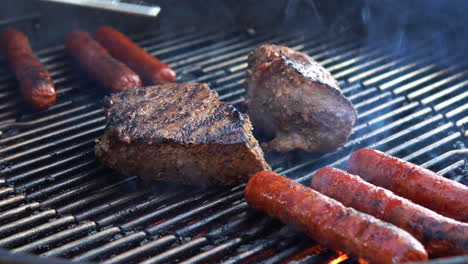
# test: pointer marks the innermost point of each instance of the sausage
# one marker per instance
(35, 81)
(441, 236)
(413, 182)
(148, 67)
(111, 73)
(330, 222)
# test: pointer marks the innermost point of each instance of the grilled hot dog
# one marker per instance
(413, 182)
(331, 223)
(440, 235)
(95, 60)
(148, 67)
(35, 81)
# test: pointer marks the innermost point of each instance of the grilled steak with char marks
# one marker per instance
(180, 133)
(295, 100)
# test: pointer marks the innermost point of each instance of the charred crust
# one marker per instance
(186, 163)
(142, 115)
(277, 78)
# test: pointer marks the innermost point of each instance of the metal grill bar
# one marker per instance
(158, 245)
(77, 246)
(119, 244)
(19, 225)
(56, 200)
(55, 239)
(169, 255)
(21, 237)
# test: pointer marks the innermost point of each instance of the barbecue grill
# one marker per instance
(58, 201)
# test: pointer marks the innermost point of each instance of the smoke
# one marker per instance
(439, 25)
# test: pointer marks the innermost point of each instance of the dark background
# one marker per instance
(57, 19)
(398, 23)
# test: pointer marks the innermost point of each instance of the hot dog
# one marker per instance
(35, 81)
(148, 67)
(111, 73)
(413, 182)
(329, 222)
(441, 236)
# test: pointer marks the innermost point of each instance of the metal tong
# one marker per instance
(114, 5)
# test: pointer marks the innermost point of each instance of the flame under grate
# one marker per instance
(57, 200)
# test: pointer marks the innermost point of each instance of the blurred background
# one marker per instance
(399, 22)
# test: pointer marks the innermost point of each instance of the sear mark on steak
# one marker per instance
(295, 100)
(180, 133)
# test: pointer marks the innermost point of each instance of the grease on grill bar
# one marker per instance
(56, 200)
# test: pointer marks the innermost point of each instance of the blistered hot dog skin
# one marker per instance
(330, 222)
(440, 235)
(96, 61)
(34, 80)
(147, 66)
(420, 185)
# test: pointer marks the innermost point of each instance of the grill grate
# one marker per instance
(57, 200)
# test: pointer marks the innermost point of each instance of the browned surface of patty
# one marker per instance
(291, 97)
(180, 133)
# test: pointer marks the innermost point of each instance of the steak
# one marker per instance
(294, 100)
(180, 133)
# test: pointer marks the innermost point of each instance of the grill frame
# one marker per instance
(224, 70)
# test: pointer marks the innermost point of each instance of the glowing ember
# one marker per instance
(314, 250)
(339, 259)
(361, 261)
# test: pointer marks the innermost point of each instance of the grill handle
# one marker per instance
(114, 5)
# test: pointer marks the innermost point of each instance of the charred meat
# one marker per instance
(180, 133)
(295, 100)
